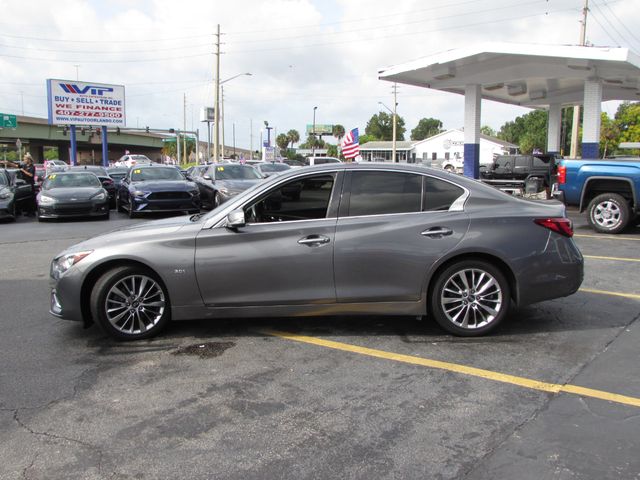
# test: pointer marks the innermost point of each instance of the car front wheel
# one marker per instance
(130, 303)
(470, 298)
(608, 213)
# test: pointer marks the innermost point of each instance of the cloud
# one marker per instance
(301, 54)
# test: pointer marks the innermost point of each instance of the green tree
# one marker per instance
(294, 137)
(338, 132)
(366, 138)
(380, 126)
(528, 131)
(51, 153)
(609, 134)
(332, 150)
(628, 120)
(319, 143)
(488, 131)
(282, 141)
(427, 127)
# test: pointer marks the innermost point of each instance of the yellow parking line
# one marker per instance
(614, 294)
(606, 237)
(618, 259)
(463, 369)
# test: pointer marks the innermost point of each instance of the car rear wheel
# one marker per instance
(608, 213)
(119, 207)
(130, 303)
(217, 200)
(470, 298)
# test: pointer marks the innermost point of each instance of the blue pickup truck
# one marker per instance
(606, 189)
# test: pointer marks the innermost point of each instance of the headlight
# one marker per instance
(99, 196)
(139, 193)
(63, 263)
(4, 196)
(46, 200)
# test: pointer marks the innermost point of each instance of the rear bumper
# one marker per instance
(557, 194)
(556, 272)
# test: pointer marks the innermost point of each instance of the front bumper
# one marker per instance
(151, 204)
(64, 297)
(74, 210)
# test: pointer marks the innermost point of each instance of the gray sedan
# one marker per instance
(354, 240)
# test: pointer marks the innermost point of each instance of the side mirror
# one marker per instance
(207, 177)
(236, 219)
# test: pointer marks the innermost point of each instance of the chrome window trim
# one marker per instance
(221, 223)
(457, 205)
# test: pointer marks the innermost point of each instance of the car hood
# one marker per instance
(134, 233)
(237, 185)
(77, 193)
(164, 186)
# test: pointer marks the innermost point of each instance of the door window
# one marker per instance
(306, 198)
(378, 193)
(522, 162)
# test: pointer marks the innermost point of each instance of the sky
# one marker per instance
(301, 54)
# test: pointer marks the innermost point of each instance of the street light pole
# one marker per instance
(395, 116)
(313, 134)
(216, 121)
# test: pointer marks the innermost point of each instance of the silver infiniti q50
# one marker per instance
(342, 239)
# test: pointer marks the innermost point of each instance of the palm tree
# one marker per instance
(293, 136)
(338, 132)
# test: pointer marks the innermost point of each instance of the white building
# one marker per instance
(434, 150)
(449, 145)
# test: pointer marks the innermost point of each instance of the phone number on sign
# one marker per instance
(75, 113)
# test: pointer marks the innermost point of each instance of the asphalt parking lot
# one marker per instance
(555, 393)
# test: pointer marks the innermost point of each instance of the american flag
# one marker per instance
(351, 144)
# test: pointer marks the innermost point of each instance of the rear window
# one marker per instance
(379, 193)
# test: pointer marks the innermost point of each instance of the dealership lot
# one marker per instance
(555, 392)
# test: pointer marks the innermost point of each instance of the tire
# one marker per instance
(131, 212)
(14, 212)
(217, 200)
(119, 205)
(449, 168)
(130, 317)
(106, 216)
(608, 213)
(456, 305)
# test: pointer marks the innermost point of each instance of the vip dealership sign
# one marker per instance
(81, 103)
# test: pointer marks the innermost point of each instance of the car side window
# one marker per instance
(305, 198)
(439, 195)
(379, 193)
(522, 162)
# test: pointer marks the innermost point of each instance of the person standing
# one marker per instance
(28, 173)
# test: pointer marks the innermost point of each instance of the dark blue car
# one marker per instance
(152, 188)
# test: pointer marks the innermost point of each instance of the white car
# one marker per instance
(131, 160)
(453, 165)
(321, 160)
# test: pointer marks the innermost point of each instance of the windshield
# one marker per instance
(234, 172)
(274, 167)
(71, 180)
(140, 158)
(145, 174)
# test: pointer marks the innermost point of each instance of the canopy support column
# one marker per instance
(553, 132)
(472, 110)
(591, 118)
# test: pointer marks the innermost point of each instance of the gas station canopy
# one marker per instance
(525, 74)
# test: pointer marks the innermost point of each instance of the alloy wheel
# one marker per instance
(135, 304)
(471, 298)
(607, 214)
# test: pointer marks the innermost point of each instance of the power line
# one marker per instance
(109, 52)
(138, 60)
(619, 21)
(595, 17)
(404, 34)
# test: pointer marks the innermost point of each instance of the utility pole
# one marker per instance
(216, 136)
(184, 128)
(576, 109)
(394, 158)
(313, 134)
(222, 115)
(251, 138)
(234, 140)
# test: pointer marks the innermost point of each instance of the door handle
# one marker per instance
(314, 240)
(437, 232)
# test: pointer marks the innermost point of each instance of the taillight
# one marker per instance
(560, 225)
(562, 174)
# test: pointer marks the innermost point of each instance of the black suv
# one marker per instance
(519, 170)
